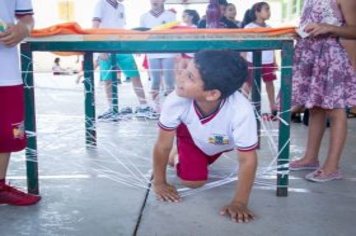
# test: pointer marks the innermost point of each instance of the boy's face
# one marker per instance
(189, 83)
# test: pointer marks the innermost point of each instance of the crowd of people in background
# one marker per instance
(160, 66)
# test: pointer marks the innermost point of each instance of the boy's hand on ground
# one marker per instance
(238, 212)
(166, 192)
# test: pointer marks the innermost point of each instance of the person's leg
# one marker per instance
(247, 86)
(12, 139)
(168, 74)
(155, 74)
(108, 92)
(105, 76)
(316, 130)
(192, 166)
(269, 75)
(4, 162)
(246, 89)
(128, 66)
(139, 91)
(271, 95)
(338, 133)
(12, 131)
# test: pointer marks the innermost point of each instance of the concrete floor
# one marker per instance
(106, 191)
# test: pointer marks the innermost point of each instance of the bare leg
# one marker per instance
(108, 91)
(338, 135)
(4, 162)
(245, 89)
(193, 184)
(316, 130)
(173, 156)
(139, 91)
(271, 94)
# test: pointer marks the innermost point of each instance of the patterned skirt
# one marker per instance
(323, 75)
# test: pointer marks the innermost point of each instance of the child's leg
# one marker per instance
(338, 134)
(246, 89)
(128, 66)
(139, 91)
(192, 168)
(155, 74)
(269, 75)
(108, 91)
(168, 74)
(105, 76)
(173, 156)
(4, 163)
(316, 130)
(271, 95)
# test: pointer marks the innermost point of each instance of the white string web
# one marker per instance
(124, 151)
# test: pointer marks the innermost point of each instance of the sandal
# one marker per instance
(320, 176)
(296, 165)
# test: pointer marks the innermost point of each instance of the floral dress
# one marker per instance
(322, 73)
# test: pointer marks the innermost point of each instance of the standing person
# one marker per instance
(208, 116)
(254, 18)
(17, 14)
(230, 14)
(160, 65)
(224, 22)
(324, 80)
(111, 14)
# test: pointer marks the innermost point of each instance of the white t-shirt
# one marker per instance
(9, 59)
(267, 56)
(110, 13)
(148, 20)
(232, 126)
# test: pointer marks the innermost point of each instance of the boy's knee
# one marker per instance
(193, 184)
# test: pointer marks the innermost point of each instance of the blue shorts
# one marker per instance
(125, 62)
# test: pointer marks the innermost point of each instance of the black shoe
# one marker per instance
(296, 118)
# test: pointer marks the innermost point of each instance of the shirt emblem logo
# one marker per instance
(218, 139)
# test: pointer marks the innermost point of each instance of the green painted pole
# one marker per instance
(30, 119)
(114, 85)
(284, 125)
(90, 129)
(256, 89)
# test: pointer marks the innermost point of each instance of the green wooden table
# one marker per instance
(155, 43)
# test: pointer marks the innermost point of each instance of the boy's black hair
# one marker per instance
(194, 14)
(56, 60)
(250, 14)
(224, 70)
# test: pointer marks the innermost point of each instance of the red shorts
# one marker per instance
(193, 163)
(268, 72)
(12, 130)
